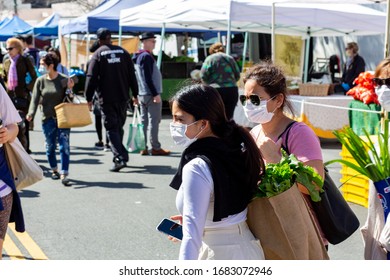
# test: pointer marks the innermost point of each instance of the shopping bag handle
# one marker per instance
(136, 116)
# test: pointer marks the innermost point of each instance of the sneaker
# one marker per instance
(99, 145)
(160, 152)
(118, 165)
(107, 148)
(55, 175)
(144, 152)
(65, 180)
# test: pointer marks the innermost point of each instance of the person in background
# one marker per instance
(111, 75)
(376, 230)
(10, 205)
(16, 67)
(265, 103)
(216, 178)
(354, 65)
(150, 88)
(221, 71)
(50, 90)
(60, 68)
(97, 112)
(31, 50)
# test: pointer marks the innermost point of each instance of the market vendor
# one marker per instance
(354, 65)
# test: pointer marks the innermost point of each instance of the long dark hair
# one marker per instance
(204, 102)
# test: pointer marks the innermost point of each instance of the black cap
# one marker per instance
(103, 33)
(147, 35)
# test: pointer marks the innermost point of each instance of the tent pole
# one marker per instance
(69, 46)
(387, 30)
(229, 32)
(87, 48)
(306, 64)
(244, 51)
(120, 36)
(204, 48)
(273, 33)
(159, 58)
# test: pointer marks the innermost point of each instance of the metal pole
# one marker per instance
(306, 64)
(386, 51)
(120, 36)
(273, 33)
(244, 51)
(159, 58)
(229, 34)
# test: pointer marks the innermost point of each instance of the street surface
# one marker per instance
(113, 216)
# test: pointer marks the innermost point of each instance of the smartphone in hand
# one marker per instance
(171, 228)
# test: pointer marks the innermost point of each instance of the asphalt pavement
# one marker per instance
(113, 216)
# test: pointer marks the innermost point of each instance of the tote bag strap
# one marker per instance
(287, 131)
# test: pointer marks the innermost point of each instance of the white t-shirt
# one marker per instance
(195, 201)
(9, 115)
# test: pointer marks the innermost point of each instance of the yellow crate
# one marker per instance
(350, 178)
(354, 189)
(354, 198)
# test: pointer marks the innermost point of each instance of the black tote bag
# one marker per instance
(336, 218)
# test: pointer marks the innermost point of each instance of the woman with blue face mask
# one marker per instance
(265, 102)
(216, 178)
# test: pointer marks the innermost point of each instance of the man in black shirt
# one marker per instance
(111, 74)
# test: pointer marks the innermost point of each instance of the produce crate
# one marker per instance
(314, 89)
(355, 186)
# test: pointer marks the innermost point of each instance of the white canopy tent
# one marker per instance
(304, 19)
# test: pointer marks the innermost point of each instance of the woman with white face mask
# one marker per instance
(375, 231)
(265, 102)
(216, 178)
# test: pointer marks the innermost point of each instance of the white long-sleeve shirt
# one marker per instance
(195, 201)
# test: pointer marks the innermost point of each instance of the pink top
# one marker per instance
(305, 145)
(302, 142)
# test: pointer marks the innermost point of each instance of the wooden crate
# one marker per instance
(314, 89)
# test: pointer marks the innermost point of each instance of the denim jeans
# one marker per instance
(52, 135)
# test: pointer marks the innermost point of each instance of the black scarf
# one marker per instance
(233, 187)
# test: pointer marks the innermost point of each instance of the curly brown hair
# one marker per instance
(216, 47)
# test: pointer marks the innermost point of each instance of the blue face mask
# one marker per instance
(178, 133)
(42, 70)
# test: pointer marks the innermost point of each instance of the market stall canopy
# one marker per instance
(4, 21)
(12, 27)
(105, 15)
(256, 16)
(46, 28)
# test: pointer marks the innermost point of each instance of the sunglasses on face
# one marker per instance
(255, 99)
(380, 82)
(9, 49)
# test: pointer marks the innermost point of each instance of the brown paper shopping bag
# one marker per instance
(285, 227)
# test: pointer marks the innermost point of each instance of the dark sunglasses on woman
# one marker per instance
(380, 82)
(255, 99)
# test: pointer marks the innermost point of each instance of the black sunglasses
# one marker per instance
(380, 82)
(255, 99)
(9, 49)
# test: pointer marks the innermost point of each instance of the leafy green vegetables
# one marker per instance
(280, 176)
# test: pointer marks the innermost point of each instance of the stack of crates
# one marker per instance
(354, 185)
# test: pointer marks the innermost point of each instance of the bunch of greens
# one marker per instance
(279, 177)
(372, 160)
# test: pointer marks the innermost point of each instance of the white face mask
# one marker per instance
(258, 114)
(383, 93)
(178, 133)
